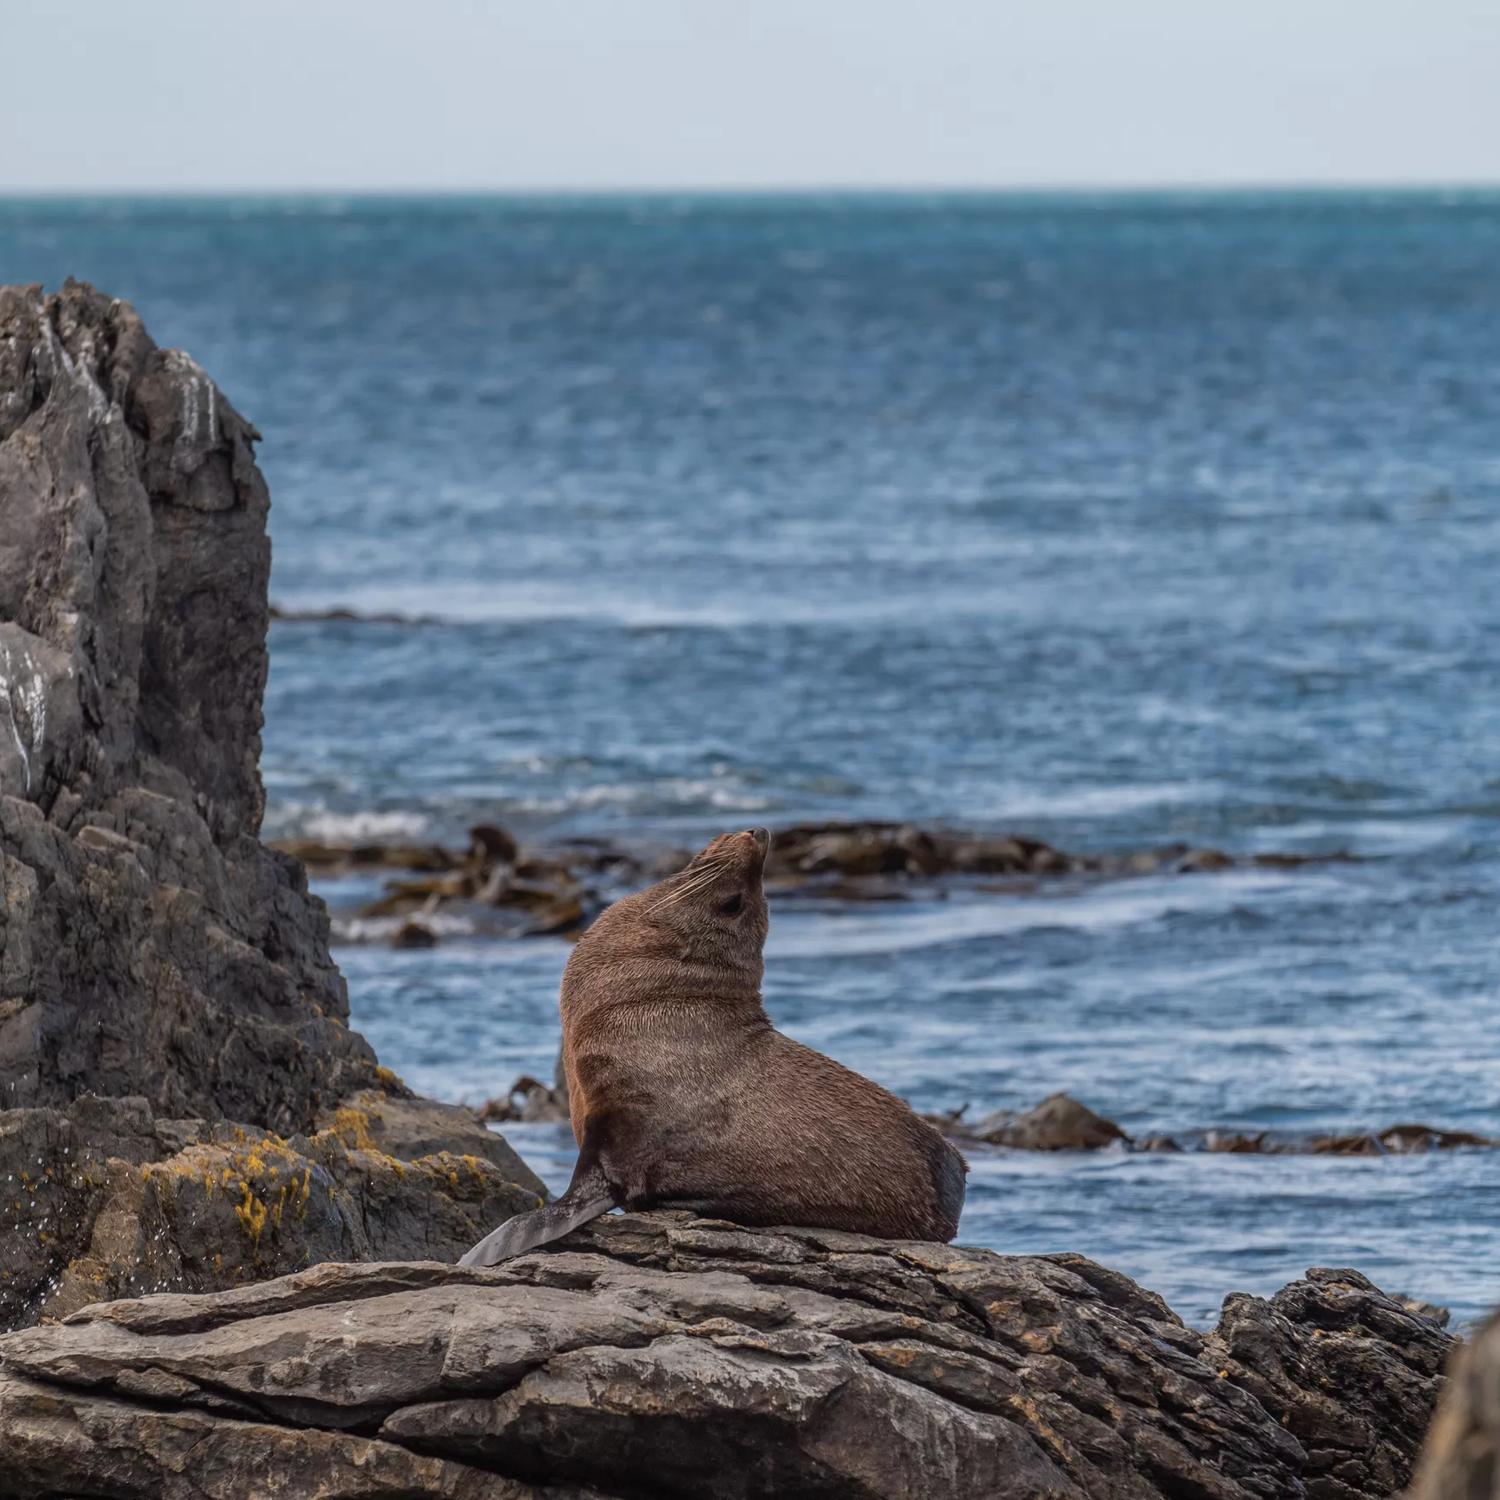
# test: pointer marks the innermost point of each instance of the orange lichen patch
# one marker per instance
(352, 1126)
(251, 1213)
(389, 1080)
(262, 1171)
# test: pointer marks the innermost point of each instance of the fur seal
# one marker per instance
(683, 1095)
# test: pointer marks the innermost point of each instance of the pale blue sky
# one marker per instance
(455, 94)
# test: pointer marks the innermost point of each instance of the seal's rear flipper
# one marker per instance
(587, 1197)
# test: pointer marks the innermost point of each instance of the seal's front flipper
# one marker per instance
(587, 1197)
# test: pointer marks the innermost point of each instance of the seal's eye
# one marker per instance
(733, 906)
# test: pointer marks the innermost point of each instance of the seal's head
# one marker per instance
(695, 934)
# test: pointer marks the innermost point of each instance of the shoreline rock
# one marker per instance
(1061, 1123)
(180, 1079)
(663, 1355)
(106, 1200)
(151, 945)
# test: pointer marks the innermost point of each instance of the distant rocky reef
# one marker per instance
(495, 887)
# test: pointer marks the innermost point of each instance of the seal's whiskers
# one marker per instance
(700, 878)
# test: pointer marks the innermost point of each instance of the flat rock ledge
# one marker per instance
(658, 1355)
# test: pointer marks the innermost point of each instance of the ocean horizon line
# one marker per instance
(755, 193)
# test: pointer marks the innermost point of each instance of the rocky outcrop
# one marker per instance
(657, 1355)
(530, 1100)
(151, 946)
(187, 1104)
(104, 1200)
(189, 1114)
(1461, 1458)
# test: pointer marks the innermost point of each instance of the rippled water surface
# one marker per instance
(1114, 521)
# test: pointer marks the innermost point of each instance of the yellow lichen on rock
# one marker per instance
(352, 1126)
(251, 1213)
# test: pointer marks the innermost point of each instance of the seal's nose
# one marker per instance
(762, 837)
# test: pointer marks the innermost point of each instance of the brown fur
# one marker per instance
(682, 1092)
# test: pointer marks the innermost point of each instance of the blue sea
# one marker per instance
(1115, 521)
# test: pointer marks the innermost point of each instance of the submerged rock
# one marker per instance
(504, 890)
(414, 935)
(666, 1356)
(1398, 1140)
(530, 1100)
(343, 859)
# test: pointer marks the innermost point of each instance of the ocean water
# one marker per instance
(1111, 520)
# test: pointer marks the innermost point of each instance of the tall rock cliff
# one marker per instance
(150, 944)
(182, 1102)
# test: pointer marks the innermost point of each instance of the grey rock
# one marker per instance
(1058, 1123)
(662, 1355)
(150, 945)
(182, 1102)
(104, 1201)
(142, 1447)
(1353, 1374)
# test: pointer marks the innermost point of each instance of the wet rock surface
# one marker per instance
(1058, 1123)
(659, 1355)
(182, 1101)
(529, 1100)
